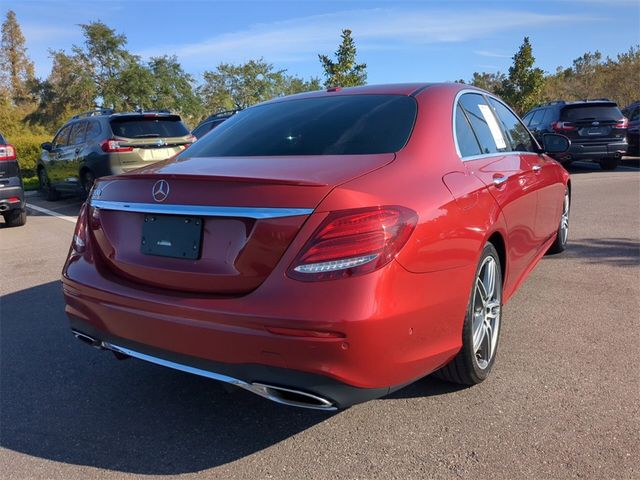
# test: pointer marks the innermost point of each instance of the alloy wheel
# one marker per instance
(564, 220)
(487, 303)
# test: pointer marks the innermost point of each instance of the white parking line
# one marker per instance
(46, 211)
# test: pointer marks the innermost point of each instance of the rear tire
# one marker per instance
(609, 163)
(15, 218)
(87, 180)
(560, 243)
(50, 193)
(481, 328)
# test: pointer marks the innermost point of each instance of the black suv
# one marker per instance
(102, 142)
(12, 205)
(211, 122)
(632, 112)
(597, 129)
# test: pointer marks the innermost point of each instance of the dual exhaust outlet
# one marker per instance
(4, 208)
(278, 394)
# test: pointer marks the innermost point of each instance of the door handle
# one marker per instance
(499, 180)
(537, 168)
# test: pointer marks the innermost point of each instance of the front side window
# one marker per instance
(536, 119)
(77, 133)
(517, 134)
(62, 138)
(484, 123)
(327, 125)
(202, 129)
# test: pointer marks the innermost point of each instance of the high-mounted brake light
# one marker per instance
(7, 152)
(563, 126)
(353, 242)
(113, 146)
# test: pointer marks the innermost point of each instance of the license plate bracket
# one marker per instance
(171, 236)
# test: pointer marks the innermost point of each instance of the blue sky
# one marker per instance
(400, 41)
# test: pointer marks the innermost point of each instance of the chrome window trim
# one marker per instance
(485, 155)
(200, 210)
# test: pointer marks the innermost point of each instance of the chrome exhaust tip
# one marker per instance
(83, 337)
(282, 395)
(4, 208)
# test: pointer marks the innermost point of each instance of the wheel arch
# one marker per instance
(497, 240)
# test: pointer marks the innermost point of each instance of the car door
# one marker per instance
(76, 144)
(57, 154)
(544, 181)
(508, 177)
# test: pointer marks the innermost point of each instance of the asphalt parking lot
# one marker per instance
(562, 401)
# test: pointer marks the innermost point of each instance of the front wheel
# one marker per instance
(44, 185)
(481, 328)
(562, 235)
(87, 180)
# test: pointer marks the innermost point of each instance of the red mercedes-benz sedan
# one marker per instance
(323, 249)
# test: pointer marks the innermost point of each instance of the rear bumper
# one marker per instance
(586, 151)
(11, 198)
(380, 345)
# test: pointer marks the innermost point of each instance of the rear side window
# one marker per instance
(606, 112)
(93, 130)
(517, 134)
(148, 127)
(484, 123)
(467, 142)
(77, 133)
(339, 125)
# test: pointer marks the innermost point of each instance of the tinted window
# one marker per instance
(202, 129)
(591, 112)
(62, 137)
(77, 133)
(467, 142)
(343, 124)
(536, 119)
(635, 115)
(2, 140)
(148, 127)
(527, 118)
(517, 134)
(93, 130)
(548, 117)
(484, 123)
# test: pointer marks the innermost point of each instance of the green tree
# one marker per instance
(173, 88)
(522, 88)
(16, 69)
(69, 89)
(344, 71)
(491, 82)
(235, 87)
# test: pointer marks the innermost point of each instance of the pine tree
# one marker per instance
(344, 72)
(522, 89)
(15, 66)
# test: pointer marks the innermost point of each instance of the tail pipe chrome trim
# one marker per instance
(285, 396)
(4, 207)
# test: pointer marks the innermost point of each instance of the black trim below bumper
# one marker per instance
(340, 394)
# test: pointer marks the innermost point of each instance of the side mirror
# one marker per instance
(554, 143)
(47, 146)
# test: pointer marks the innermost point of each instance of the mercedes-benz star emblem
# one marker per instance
(160, 190)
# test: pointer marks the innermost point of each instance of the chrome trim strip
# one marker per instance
(485, 155)
(200, 210)
(261, 389)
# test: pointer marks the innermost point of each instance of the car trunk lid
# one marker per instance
(238, 215)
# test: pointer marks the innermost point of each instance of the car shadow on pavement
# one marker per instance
(65, 401)
(619, 252)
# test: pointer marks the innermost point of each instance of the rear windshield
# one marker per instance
(591, 112)
(148, 127)
(340, 125)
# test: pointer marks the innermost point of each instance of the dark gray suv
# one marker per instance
(12, 205)
(101, 142)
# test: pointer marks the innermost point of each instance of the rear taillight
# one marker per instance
(79, 241)
(353, 242)
(563, 126)
(113, 146)
(622, 123)
(190, 139)
(7, 152)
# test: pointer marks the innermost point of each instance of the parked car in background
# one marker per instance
(324, 249)
(597, 129)
(211, 122)
(102, 142)
(12, 204)
(632, 112)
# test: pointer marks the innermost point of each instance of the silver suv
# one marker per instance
(101, 142)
